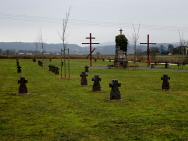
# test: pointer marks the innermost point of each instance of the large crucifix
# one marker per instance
(148, 49)
(91, 50)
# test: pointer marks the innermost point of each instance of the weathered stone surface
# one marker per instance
(121, 51)
(96, 83)
(83, 76)
(22, 87)
(115, 93)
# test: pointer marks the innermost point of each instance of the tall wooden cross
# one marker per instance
(91, 50)
(148, 49)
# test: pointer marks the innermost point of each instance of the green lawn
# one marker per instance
(62, 110)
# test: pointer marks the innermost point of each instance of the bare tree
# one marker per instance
(36, 48)
(62, 36)
(41, 42)
(182, 44)
(135, 40)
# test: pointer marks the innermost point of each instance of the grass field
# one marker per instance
(62, 110)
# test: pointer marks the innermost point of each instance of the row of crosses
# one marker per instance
(148, 43)
(91, 49)
(114, 85)
(22, 81)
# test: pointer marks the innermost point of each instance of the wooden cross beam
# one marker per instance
(91, 50)
(148, 49)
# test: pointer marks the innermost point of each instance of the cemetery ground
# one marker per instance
(62, 110)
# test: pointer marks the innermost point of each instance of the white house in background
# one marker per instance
(29, 54)
(21, 53)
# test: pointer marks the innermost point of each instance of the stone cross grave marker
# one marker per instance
(86, 68)
(83, 76)
(17, 62)
(22, 87)
(96, 83)
(40, 63)
(34, 60)
(19, 69)
(115, 93)
(54, 69)
(165, 84)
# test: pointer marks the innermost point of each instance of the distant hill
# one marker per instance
(54, 48)
(106, 49)
(22, 46)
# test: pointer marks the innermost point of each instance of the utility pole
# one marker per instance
(148, 49)
(91, 50)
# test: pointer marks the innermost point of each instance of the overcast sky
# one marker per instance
(22, 20)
